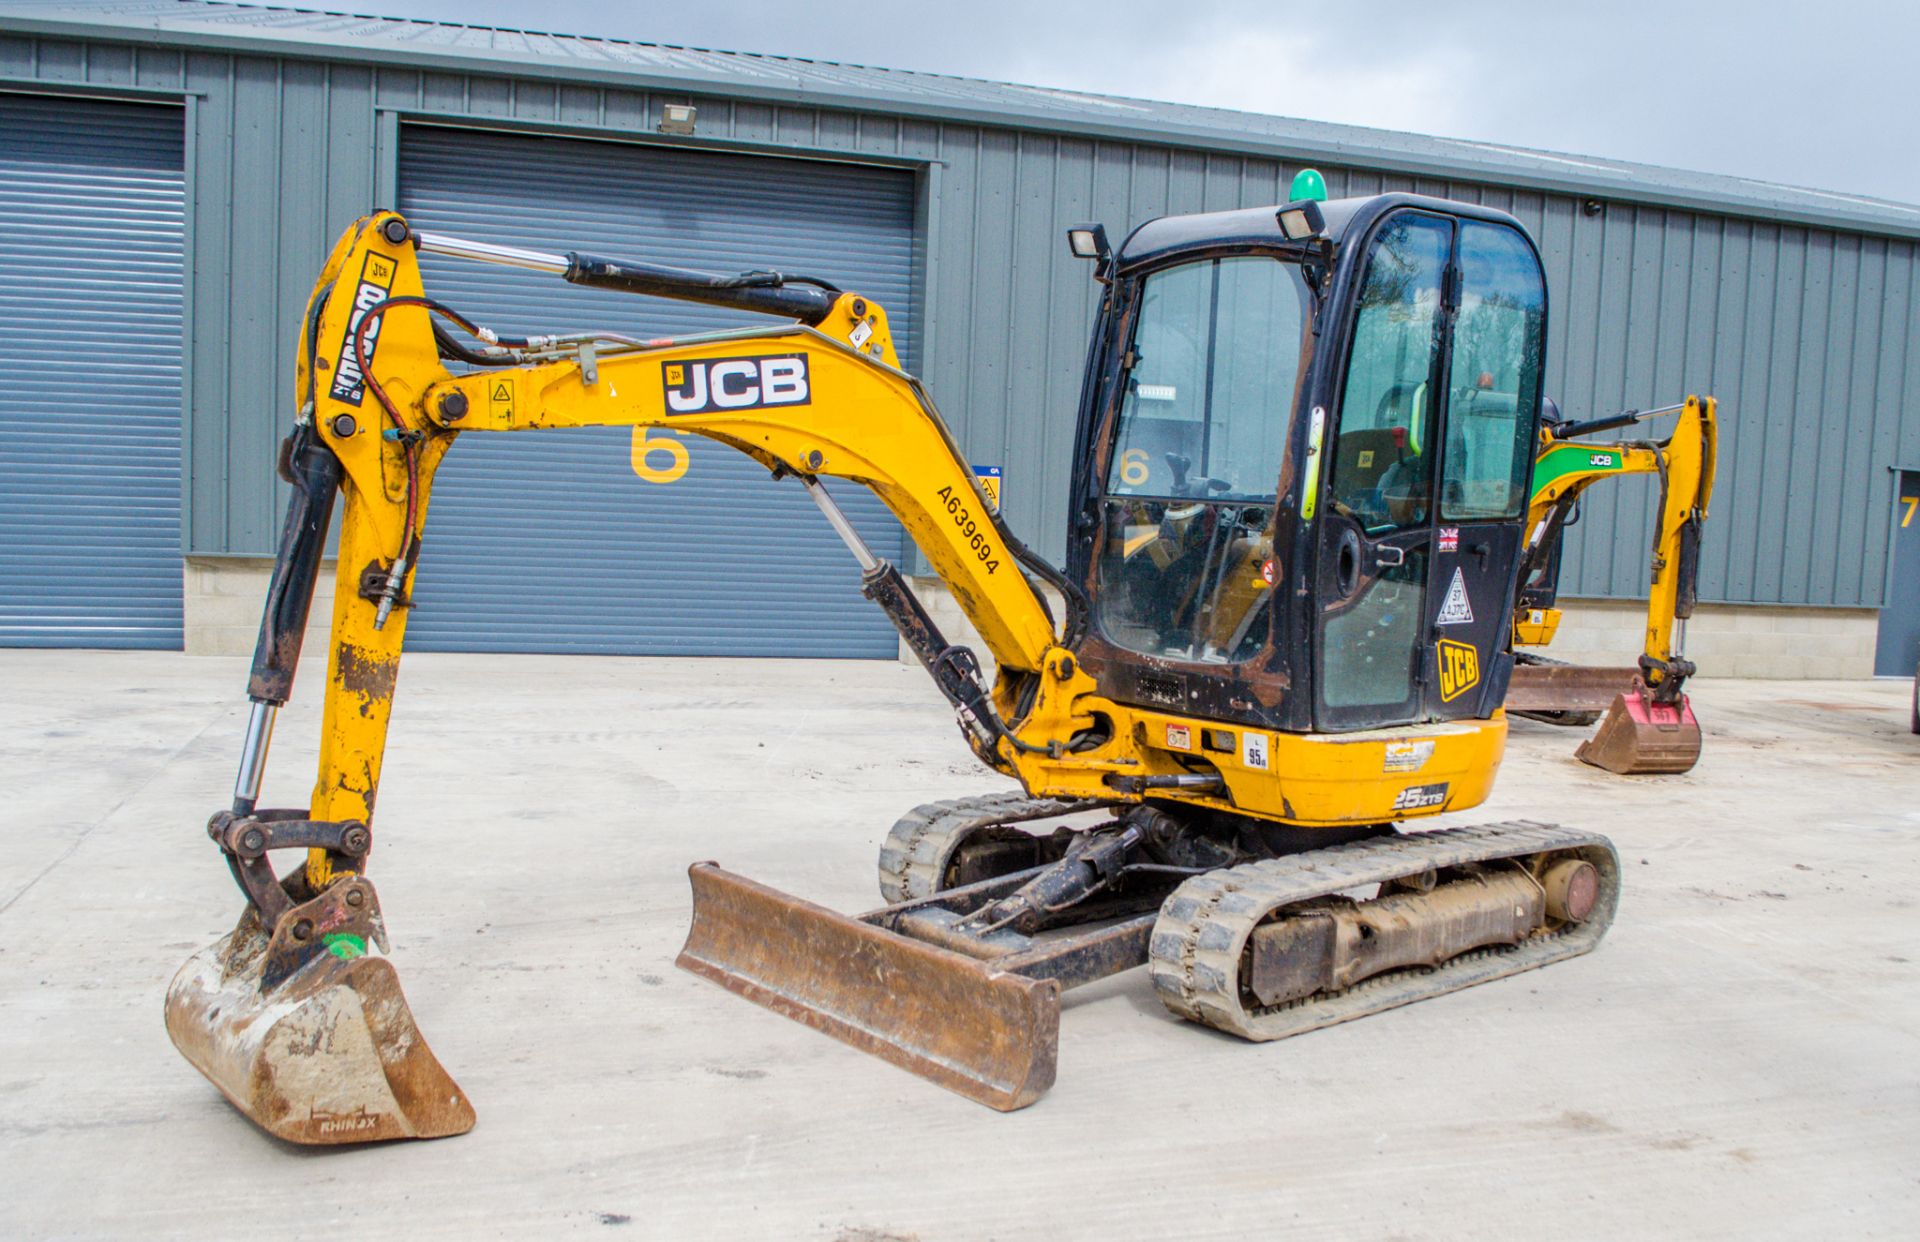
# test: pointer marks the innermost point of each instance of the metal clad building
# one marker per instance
(1797, 308)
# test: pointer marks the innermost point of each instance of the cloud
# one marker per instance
(1279, 72)
(1825, 96)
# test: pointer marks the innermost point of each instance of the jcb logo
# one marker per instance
(1459, 669)
(1602, 460)
(696, 387)
(376, 281)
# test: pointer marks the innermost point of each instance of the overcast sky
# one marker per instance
(1822, 94)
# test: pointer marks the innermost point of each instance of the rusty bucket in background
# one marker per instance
(1642, 736)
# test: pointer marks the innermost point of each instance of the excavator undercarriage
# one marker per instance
(962, 985)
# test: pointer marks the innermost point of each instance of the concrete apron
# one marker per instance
(1736, 1059)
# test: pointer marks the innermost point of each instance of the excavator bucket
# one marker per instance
(990, 1035)
(309, 1036)
(1642, 737)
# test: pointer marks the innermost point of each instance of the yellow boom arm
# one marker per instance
(822, 401)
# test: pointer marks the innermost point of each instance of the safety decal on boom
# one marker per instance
(703, 385)
(376, 282)
(1456, 609)
(989, 479)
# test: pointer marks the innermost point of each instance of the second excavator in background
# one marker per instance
(1649, 727)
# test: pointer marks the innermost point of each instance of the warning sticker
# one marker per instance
(1179, 737)
(500, 400)
(1456, 608)
(1407, 756)
(989, 477)
(1253, 750)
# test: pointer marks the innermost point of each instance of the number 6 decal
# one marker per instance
(645, 457)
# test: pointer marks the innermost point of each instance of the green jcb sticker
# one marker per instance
(1558, 462)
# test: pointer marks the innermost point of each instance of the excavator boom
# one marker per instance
(822, 397)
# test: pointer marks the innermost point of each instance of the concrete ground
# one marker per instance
(1741, 1057)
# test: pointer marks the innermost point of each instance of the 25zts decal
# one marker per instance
(1420, 797)
(975, 532)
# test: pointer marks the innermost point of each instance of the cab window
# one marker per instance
(1186, 564)
(1499, 344)
(1217, 356)
(1383, 456)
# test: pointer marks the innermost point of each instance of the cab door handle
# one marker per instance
(1389, 556)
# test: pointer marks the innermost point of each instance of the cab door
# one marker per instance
(1490, 416)
(1375, 539)
(1428, 457)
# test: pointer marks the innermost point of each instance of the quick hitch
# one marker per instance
(246, 839)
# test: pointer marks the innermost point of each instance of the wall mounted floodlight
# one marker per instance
(1088, 241)
(1301, 220)
(677, 118)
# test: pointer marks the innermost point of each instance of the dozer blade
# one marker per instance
(1566, 688)
(1640, 737)
(309, 1037)
(989, 1035)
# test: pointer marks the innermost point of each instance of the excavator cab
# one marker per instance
(1303, 486)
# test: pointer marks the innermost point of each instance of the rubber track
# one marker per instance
(1201, 935)
(921, 841)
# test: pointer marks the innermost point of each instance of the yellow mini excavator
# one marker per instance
(1649, 726)
(1299, 515)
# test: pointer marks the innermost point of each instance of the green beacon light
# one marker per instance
(1307, 184)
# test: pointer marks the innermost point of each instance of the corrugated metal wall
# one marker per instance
(1805, 334)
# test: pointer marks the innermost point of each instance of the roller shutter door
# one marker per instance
(548, 540)
(91, 237)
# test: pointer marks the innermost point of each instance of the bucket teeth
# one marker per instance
(990, 1035)
(319, 1047)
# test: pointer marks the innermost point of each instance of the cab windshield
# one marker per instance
(1186, 564)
